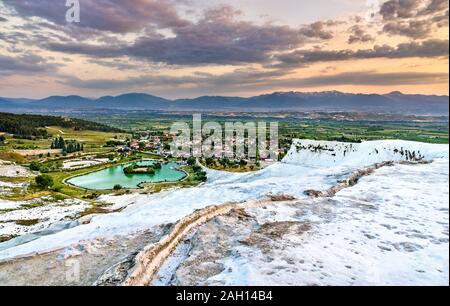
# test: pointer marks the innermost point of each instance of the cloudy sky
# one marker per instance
(188, 48)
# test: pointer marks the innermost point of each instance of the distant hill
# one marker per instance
(330, 101)
(210, 103)
(31, 126)
(5, 103)
(62, 102)
(132, 101)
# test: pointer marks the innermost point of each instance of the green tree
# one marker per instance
(201, 176)
(44, 181)
(60, 143)
(191, 161)
(35, 166)
(129, 169)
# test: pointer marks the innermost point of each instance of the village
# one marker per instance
(225, 158)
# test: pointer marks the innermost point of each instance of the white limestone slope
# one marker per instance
(392, 228)
(330, 153)
(299, 171)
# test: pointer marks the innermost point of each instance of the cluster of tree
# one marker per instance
(344, 138)
(191, 161)
(20, 129)
(135, 168)
(113, 143)
(37, 166)
(151, 170)
(33, 126)
(110, 156)
(44, 181)
(199, 174)
(226, 162)
(130, 169)
(2, 139)
(67, 146)
(49, 167)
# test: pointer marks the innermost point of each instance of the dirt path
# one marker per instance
(58, 130)
(37, 152)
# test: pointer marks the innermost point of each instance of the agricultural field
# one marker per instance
(342, 127)
(93, 141)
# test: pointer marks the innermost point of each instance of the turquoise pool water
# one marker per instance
(108, 178)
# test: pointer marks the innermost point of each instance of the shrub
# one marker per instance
(91, 196)
(129, 169)
(45, 169)
(35, 166)
(242, 163)
(44, 181)
(117, 187)
(201, 176)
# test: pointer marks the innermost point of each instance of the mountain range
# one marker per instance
(332, 101)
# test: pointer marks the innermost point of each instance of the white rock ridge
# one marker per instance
(331, 153)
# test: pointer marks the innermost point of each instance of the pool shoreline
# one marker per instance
(139, 186)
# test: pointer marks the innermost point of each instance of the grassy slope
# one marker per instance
(93, 142)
